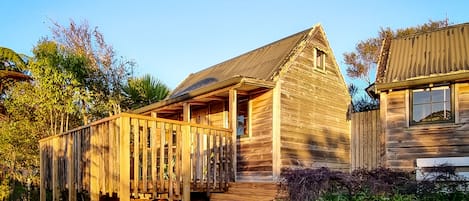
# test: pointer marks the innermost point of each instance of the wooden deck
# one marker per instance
(132, 156)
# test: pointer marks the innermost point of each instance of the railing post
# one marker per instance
(71, 167)
(42, 186)
(233, 119)
(55, 169)
(124, 151)
(94, 166)
(186, 165)
(186, 155)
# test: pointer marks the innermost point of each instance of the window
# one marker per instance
(431, 105)
(319, 59)
(243, 118)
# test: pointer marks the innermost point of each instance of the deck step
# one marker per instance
(248, 191)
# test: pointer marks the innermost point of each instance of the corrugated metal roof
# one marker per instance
(441, 52)
(260, 63)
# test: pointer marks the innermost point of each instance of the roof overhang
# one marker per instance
(13, 75)
(452, 77)
(208, 93)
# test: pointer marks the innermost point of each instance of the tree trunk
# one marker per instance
(66, 122)
(62, 122)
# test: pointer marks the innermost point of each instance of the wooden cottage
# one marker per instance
(283, 105)
(423, 86)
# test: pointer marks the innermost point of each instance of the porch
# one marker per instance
(133, 156)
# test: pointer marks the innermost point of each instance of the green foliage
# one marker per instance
(365, 57)
(10, 60)
(377, 185)
(103, 75)
(144, 90)
(362, 62)
(361, 102)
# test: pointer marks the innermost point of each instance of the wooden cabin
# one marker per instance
(423, 86)
(283, 105)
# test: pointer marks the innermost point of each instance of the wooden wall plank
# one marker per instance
(162, 155)
(155, 135)
(136, 154)
(111, 157)
(366, 141)
(170, 129)
(94, 164)
(71, 167)
(124, 157)
(144, 146)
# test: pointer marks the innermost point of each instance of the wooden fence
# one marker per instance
(132, 156)
(367, 140)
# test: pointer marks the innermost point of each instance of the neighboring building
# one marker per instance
(291, 106)
(423, 85)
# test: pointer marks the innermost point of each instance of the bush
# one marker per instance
(379, 184)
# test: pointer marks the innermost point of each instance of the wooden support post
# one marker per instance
(94, 166)
(136, 132)
(233, 121)
(55, 169)
(42, 186)
(186, 155)
(124, 151)
(276, 160)
(145, 155)
(72, 193)
(155, 134)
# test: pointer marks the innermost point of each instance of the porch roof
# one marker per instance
(216, 91)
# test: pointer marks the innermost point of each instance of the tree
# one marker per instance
(361, 62)
(144, 90)
(11, 66)
(103, 76)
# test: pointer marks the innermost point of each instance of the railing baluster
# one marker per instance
(155, 134)
(169, 157)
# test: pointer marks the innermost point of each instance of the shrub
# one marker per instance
(378, 184)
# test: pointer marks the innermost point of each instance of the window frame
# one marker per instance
(431, 86)
(322, 66)
(247, 120)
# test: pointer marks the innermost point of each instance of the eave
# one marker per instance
(195, 95)
(452, 77)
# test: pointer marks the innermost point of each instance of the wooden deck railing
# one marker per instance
(136, 156)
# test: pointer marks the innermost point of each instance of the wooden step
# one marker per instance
(235, 197)
(255, 191)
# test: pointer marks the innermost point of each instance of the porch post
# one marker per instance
(71, 166)
(55, 168)
(233, 121)
(124, 158)
(186, 154)
(94, 164)
(276, 157)
(42, 186)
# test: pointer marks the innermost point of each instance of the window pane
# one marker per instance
(421, 96)
(438, 112)
(448, 111)
(420, 112)
(240, 126)
(438, 95)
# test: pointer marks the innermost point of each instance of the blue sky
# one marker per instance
(174, 38)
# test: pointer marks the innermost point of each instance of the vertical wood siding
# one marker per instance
(367, 142)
